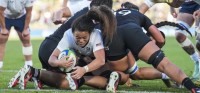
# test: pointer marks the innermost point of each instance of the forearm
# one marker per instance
(94, 65)
(28, 18)
(143, 8)
(53, 61)
(64, 3)
(156, 34)
(2, 18)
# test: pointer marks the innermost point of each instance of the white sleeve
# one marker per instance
(63, 44)
(97, 42)
(3, 3)
(29, 3)
(149, 3)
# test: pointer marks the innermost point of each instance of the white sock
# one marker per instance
(195, 57)
(164, 76)
(28, 63)
(1, 64)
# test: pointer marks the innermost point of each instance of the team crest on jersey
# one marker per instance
(99, 44)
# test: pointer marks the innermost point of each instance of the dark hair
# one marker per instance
(101, 14)
(108, 3)
(129, 5)
(83, 23)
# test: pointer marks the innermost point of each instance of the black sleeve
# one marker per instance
(146, 22)
(67, 25)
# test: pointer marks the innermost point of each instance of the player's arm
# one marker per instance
(98, 61)
(53, 59)
(64, 3)
(55, 62)
(145, 6)
(65, 9)
(157, 36)
(196, 15)
(2, 18)
(28, 17)
(173, 12)
(153, 31)
(3, 5)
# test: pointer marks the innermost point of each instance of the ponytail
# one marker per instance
(101, 14)
(106, 18)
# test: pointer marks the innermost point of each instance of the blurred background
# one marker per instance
(41, 24)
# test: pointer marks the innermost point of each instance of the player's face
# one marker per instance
(81, 38)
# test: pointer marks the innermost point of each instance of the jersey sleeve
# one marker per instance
(97, 41)
(29, 3)
(3, 3)
(64, 43)
(146, 23)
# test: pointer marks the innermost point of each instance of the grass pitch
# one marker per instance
(14, 60)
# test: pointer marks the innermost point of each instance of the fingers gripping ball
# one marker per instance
(72, 57)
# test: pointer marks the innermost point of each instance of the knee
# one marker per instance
(180, 37)
(156, 58)
(25, 41)
(137, 76)
(63, 85)
(124, 78)
(3, 39)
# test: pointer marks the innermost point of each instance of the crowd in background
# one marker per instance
(42, 24)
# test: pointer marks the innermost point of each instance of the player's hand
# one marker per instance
(4, 32)
(196, 14)
(78, 72)
(57, 17)
(65, 63)
(25, 33)
(173, 12)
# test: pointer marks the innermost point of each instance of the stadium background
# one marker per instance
(41, 24)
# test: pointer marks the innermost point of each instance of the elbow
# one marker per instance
(51, 63)
(102, 62)
(160, 43)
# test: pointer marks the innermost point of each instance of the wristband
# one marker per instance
(86, 68)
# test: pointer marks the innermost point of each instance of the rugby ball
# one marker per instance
(72, 56)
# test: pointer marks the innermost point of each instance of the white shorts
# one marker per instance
(77, 5)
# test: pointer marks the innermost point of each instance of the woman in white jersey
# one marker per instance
(17, 14)
(86, 41)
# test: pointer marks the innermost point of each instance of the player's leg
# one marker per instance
(26, 43)
(185, 19)
(145, 73)
(151, 54)
(45, 50)
(149, 3)
(92, 81)
(3, 40)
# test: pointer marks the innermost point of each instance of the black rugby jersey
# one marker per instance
(58, 34)
(131, 15)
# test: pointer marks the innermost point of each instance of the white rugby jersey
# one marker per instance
(68, 42)
(77, 5)
(15, 8)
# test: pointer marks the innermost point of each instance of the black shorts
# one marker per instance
(189, 7)
(45, 51)
(130, 38)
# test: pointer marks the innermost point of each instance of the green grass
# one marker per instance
(14, 60)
